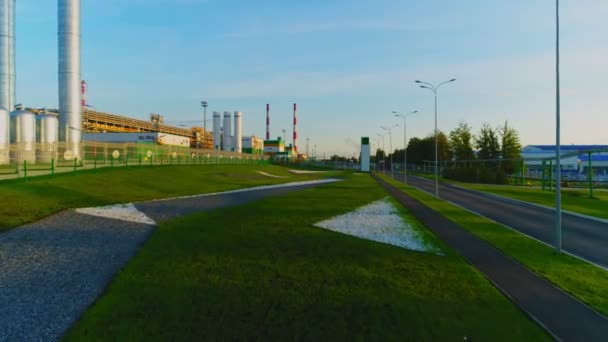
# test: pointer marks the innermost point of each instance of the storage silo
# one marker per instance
(217, 130)
(23, 134)
(48, 134)
(4, 136)
(238, 132)
(227, 133)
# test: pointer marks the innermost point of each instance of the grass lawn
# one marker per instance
(572, 200)
(584, 281)
(262, 271)
(22, 202)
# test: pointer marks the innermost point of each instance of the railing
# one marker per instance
(27, 160)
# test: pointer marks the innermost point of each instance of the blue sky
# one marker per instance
(348, 64)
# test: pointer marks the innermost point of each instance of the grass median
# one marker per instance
(262, 271)
(581, 279)
(22, 202)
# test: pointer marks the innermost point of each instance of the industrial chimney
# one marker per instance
(267, 121)
(295, 129)
(70, 106)
(7, 19)
(83, 92)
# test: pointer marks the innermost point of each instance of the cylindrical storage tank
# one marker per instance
(227, 133)
(4, 136)
(48, 134)
(23, 135)
(70, 97)
(217, 130)
(238, 132)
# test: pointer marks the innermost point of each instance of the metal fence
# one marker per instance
(23, 161)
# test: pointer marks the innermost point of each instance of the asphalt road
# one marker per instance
(583, 237)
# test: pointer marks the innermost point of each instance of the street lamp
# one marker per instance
(390, 138)
(404, 116)
(383, 154)
(283, 135)
(204, 105)
(558, 185)
(434, 89)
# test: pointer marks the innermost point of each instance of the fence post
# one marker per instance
(52, 167)
(25, 170)
(542, 176)
(75, 165)
(590, 176)
(550, 175)
(523, 174)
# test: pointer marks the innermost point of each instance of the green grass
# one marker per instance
(573, 200)
(22, 202)
(583, 280)
(262, 271)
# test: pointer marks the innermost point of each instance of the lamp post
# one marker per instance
(558, 188)
(404, 116)
(204, 105)
(434, 89)
(390, 138)
(383, 154)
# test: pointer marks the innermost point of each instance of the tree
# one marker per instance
(443, 146)
(487, 144)
(461, 143)
(510, 148)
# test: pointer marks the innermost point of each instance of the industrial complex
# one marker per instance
(43, 135)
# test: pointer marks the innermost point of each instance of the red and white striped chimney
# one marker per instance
(267, 121)
(83, 89)
(295, 129)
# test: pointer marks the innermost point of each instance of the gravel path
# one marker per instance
(51, 271)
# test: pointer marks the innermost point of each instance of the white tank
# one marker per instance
(23, 134)
(4, 136)
(227, 133)
(238, 132)
(217, 130)
(48, 134)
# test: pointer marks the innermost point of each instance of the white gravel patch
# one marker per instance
(269, 175)
(379, 221)
(124, 212)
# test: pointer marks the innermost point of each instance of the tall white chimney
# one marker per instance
(70, 106)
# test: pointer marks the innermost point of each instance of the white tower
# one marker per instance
(227, 133)
(238, 132)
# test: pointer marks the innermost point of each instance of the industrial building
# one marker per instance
(253, 145)
(575, 160)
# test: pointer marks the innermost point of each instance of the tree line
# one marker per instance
(488, 156)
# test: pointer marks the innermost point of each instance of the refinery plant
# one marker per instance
(47, 135)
